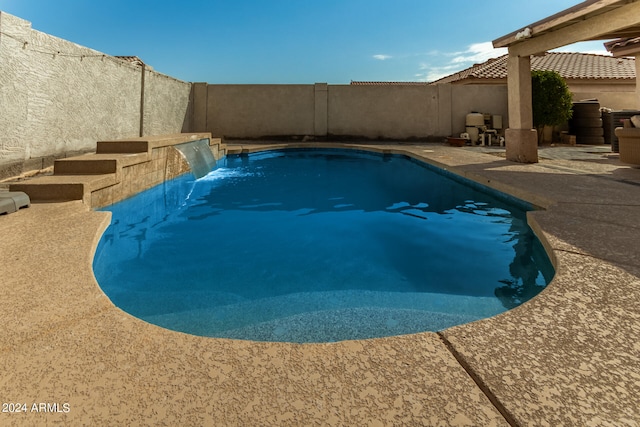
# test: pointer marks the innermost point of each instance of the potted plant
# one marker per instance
(551, 100)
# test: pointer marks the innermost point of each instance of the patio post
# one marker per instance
(521, 139)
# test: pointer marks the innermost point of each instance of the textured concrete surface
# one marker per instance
(568, 357)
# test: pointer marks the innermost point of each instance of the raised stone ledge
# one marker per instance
(147, 143)
(117, 170)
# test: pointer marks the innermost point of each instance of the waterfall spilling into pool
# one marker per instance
(317, 246)
(199, 156)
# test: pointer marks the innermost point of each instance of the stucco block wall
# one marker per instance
(490, 99)
(387, 112)
(259, 110)
(166, 107)
(58, 98)
(400, 112)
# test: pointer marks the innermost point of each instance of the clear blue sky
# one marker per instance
(292, 41)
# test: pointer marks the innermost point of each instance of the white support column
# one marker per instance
(521, 138)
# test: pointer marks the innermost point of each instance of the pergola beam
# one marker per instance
(600, 27)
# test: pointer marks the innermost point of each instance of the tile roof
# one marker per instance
(354, 83)
(623, 47)
(569, 65)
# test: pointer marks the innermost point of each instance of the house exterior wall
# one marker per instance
(58, 98)
(614, 95)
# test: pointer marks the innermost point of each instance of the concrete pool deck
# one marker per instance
(570, 356)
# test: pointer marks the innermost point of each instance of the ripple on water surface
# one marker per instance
(316, 246)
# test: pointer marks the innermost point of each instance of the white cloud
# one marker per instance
(382, 57)
(430, 73)
(445, 64)
(477, 53)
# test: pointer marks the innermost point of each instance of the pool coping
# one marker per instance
(574, 363)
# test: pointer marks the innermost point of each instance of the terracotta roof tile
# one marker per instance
(355, 83)
(568, 65)
(623, 47)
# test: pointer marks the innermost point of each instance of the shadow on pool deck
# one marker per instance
(570, 356)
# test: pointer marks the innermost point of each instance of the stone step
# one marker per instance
(145, 144)
(75, 178)
(96, 164)
(58, 188)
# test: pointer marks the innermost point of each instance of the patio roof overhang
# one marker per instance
(586, 21)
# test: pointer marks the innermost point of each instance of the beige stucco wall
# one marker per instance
(388, 111)
(617, 96)
(614, 94)
(166, 104)
(259, 110)
(59, 98)
(488, 99)
(383, 111)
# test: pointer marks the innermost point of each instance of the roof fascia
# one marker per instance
(587, 29)
(573, 13)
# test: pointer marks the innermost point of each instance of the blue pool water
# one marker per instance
(318, 246)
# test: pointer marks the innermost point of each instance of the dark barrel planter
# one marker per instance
(586, 123)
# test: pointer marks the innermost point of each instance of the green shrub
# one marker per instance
(551, 100)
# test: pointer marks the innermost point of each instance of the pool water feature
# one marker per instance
(318, 246)
(198, 155)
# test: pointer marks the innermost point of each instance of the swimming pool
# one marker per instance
(317, 246)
